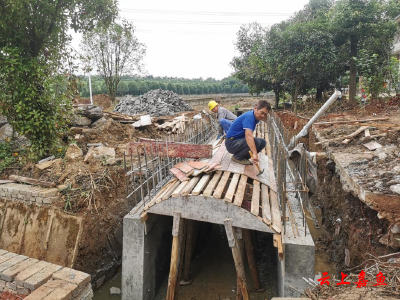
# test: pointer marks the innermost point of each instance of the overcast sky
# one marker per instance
(193, 39)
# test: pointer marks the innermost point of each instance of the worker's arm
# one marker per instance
(252, 145)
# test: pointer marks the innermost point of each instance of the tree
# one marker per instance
(33, 42)
(185, 89)
(143, 88)
(355, 21)
(123, 88)
(115, 51)
(133, 87)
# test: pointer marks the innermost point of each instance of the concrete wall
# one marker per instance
(146, 255)
(39, 232)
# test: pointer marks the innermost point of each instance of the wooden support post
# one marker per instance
(188, 253)
(182, 246)
(239, 240)
(173, 271)
(251, 258)
(237, 257)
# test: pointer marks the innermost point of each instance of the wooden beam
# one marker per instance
(178, 191)
(173, 271)
(237, 257)
(169, 192)
(188, 252)
(201, 184)
(240, 191)
(255, 199)
(251, 259)
(232, 188)
(265, 205)
(191, 185)
(275, 212)
(221, 185)
(32, 181)
(213, 183)
(171, 149)
(278, 244)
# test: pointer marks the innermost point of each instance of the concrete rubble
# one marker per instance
(155, 102)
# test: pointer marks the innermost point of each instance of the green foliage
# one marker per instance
(6, 155)
(34, 84)
(33, 101)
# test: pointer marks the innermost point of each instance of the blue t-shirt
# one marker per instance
(245, 121)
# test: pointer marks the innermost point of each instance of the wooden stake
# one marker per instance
(237, 257)
(251, 258)
(173, 271)
(188, 252)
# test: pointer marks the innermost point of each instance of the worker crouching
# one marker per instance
(224, 116)
(240, 139)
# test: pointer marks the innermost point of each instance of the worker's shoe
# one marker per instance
(242, 161)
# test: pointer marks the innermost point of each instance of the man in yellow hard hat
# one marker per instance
(224, 116)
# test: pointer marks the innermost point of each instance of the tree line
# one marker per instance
(319, 47)
(135, 85)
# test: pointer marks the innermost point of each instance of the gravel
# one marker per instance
(155, 102)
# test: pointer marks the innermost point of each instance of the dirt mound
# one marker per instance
(102, 100)
(155, 102)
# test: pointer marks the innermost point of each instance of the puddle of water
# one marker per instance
(322, 263)
(104, 292)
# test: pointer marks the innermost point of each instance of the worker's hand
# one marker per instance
(255, 159)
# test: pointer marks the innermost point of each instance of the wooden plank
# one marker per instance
(275, 212)
(144, 216)
(179, 174)
(178, 191)
(219, 155)
(255, 199)
(221, 185)
(197, 164)
(235, 167)
(212, 184)
(367, 133)
(265, 205)
(240, 191)
(6, 181)
(201, 184)
(169, 192)
(232, 188)
(160, 194)
(31, 181)
(176, 223)
(226, 162)
(172, 149)
(185, 168)
(350, 137)
(191, 185)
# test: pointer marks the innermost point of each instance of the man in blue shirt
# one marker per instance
(239, 139)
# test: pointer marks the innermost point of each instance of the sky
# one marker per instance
(194, 39)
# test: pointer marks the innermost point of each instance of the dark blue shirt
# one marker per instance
(245, 121)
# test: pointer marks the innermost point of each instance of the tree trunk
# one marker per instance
(353, 71)
(276, 92)
(319, 94)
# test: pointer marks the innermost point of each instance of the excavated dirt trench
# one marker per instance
(353, 230)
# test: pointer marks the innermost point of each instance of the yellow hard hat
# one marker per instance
(212, 104)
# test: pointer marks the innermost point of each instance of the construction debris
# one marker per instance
(32, 181)
(155, 102)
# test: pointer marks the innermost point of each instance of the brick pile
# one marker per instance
(34, 279)
(29, 194)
